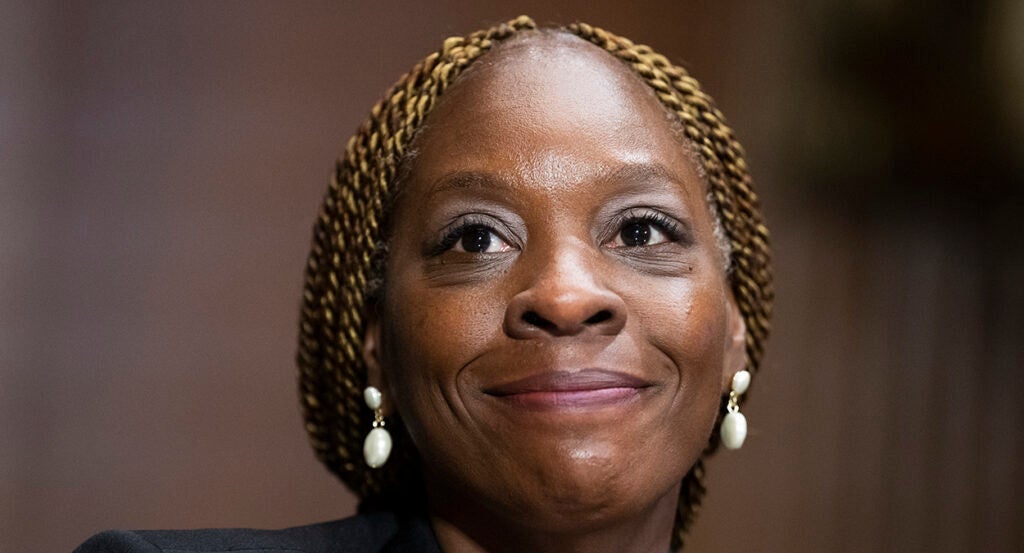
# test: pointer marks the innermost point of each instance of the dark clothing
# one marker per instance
(381, 532)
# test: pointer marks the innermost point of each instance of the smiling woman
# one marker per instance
(543, 260)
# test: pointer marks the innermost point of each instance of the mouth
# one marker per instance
(557, 390)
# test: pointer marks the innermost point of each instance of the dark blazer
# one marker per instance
(380, 532)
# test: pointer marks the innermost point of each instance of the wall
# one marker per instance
(161, 163)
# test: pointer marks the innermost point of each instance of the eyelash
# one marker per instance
(454, 231)
(653, 218)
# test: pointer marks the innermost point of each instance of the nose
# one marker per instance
(566, 297)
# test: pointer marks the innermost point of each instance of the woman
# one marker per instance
(540, 271)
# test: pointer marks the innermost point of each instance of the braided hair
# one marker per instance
(346, 261)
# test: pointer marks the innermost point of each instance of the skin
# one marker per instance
(557, 158)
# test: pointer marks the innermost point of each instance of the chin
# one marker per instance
(582, 482)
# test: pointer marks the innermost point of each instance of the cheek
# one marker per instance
(429, 335)
(686, 318)
(687, 324)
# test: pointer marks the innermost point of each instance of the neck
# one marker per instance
(468, 527)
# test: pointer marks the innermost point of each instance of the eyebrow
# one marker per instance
(645, 172)
(461, 180)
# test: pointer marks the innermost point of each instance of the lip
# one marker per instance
(553, 390)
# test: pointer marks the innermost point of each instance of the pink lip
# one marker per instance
(565, 389)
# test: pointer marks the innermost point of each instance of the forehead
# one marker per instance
(548, 107)
(556, 78)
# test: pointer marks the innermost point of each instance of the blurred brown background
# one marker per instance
(161, 164)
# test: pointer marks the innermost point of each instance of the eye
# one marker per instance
(647, 230)
(475, 238)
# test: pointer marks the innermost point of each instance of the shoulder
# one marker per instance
(374, 532)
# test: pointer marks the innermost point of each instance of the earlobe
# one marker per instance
(735, 358)
(372, 356)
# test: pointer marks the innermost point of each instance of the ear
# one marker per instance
(373, 358)
(735, 358)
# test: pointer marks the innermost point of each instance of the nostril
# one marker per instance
(533, 319)
(599, 317)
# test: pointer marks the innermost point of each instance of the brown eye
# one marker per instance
(479, 239)
(635, 234)
(476, 240)
(638, 233)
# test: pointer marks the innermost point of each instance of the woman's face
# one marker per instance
(557, 329)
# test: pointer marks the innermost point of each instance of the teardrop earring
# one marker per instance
(734, 425)
(377, 445)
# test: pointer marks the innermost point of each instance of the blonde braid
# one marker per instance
(345, 264)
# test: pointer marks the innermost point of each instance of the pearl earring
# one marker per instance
(734, 425)
(377, 446)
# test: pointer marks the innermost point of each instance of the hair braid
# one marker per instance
(346, 261)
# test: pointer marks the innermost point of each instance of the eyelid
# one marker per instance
(674, 230)
(450, 234)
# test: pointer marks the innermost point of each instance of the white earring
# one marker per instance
(377, 446)
(734, 425)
